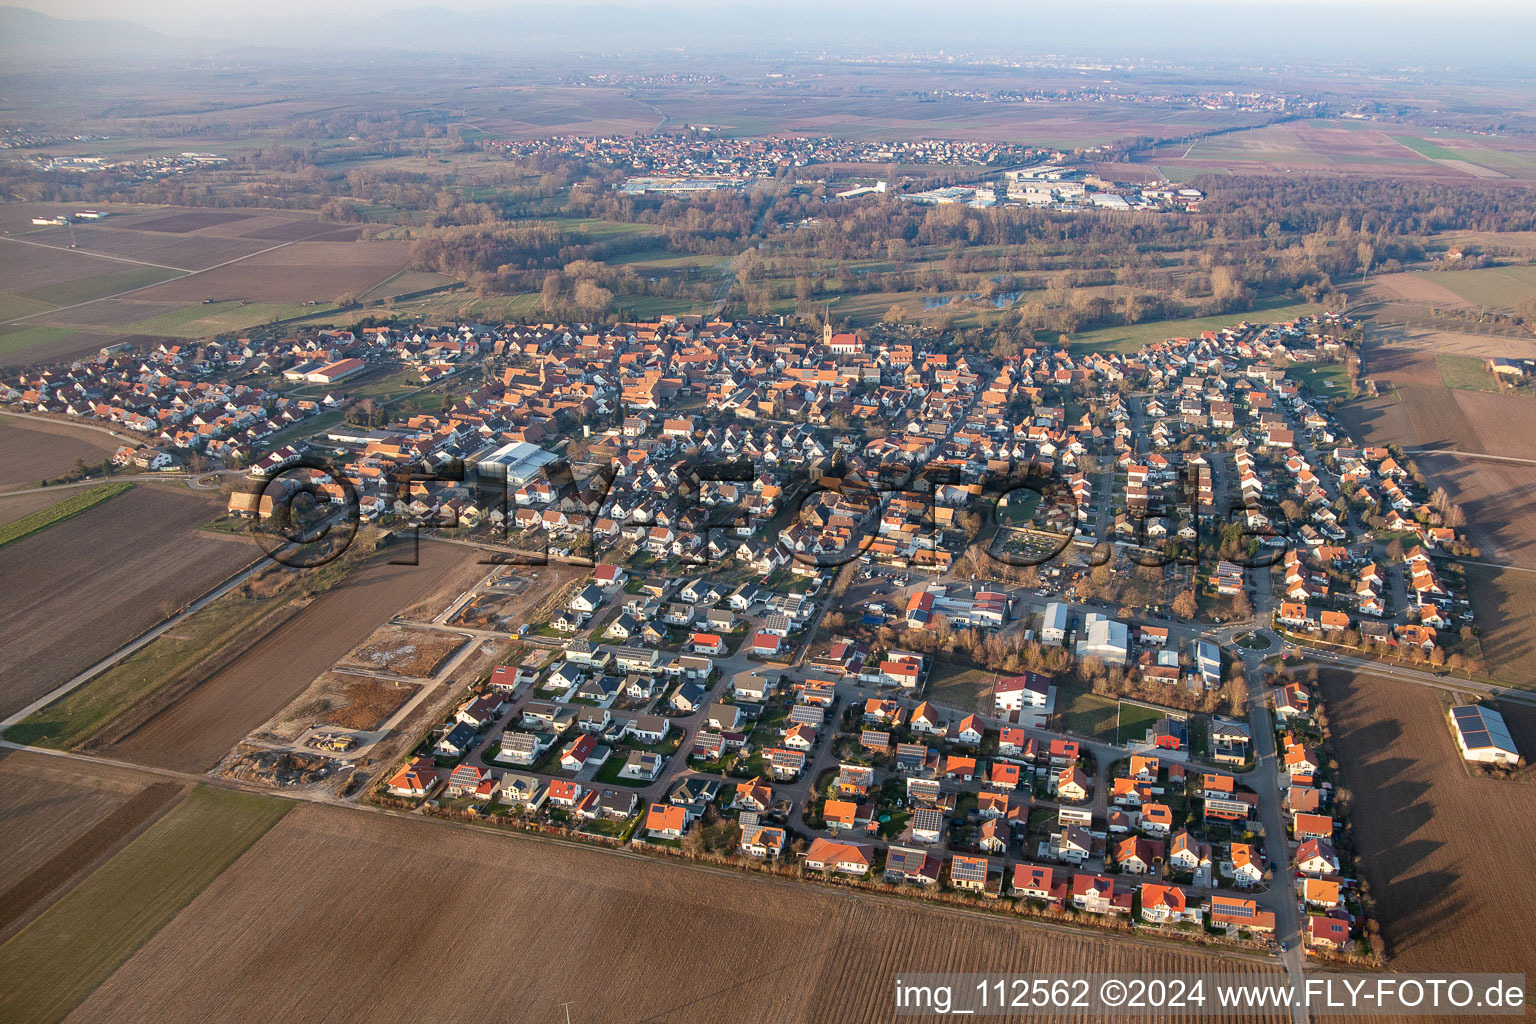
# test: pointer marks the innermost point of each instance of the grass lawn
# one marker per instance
(959, 686)
(1087, 714)
(1134, 723)
(1465, 373)
(609, 772)
(48, 967)
(60, 511)
(1325, 380)
(307, 427)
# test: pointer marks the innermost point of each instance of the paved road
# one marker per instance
(1281, 900)
(133, 645)
(1451, 683)
(82, 425)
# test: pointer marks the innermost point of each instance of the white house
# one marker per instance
(1053, 630)
(1015, 693)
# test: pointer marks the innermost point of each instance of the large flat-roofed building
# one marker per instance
(1106, 639)
(520, 460)
(1482, 735)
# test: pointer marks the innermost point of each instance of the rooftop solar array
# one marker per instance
(1481, 727)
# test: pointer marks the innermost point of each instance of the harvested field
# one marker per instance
(1504, 601)
(57, 959)
(79, 590)
(400, 651)
(318, 918)
(76, 832)
(25, 267)
(300, 230)
(195, 732)
(1402, 364)
(1429, 835)
(1499, 499)
(1425, 416)
(183, 252)
(71, 502)
(1418, 288)
(299, 272)
(1502, 424)
(191, 220)
(248, 222)
(46, 804)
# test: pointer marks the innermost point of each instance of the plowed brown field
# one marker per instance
(32, 450)
(1438, 847)
(331, 914)
(80, 589)
(195, 732)
(1499, 499)
(56, 821)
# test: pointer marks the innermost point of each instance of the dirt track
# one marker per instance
(194, 733)
(78, 590)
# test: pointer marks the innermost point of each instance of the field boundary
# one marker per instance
(59, 511)
(50, 966)
(30, 894)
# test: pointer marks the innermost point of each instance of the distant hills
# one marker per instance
(27, 30)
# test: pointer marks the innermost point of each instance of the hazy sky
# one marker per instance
(158, 11)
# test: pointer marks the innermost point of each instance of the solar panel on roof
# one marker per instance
(1482, 727)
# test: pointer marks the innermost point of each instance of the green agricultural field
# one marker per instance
(1129, 339)
(13, 307)
(1465, 373)
(67, 293)
(210, 318)
(22, 338)
(405, 283)
(1494, 287)
(52, 964)
(57, 513)
(596, 229)
(1424, 147)
(662, 259)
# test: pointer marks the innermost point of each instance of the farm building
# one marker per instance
(1482, 735)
